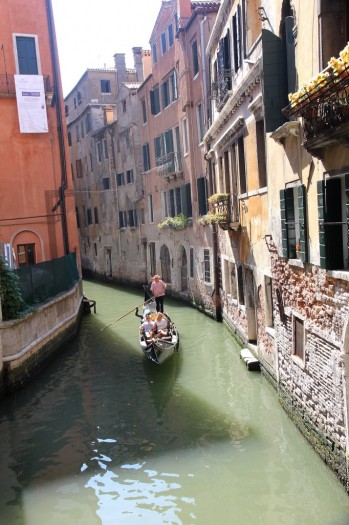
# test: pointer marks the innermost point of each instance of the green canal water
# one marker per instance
(104, 436)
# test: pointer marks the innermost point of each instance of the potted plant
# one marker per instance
(217, 198)
(177, 223)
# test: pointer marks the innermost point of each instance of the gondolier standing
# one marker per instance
(158, 288)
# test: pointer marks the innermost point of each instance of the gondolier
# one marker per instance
(158, 288)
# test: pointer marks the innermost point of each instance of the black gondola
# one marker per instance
(161, 349)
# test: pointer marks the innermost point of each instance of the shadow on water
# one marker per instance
(196, 440)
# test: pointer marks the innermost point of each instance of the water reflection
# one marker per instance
(104, 436)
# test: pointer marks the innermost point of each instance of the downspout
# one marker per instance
(57, 102)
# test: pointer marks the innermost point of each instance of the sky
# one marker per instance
(90, 32)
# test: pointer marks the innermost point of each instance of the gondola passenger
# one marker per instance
(160, 328)
(147, 326)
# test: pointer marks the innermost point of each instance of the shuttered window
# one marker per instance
(294, 223)
(26, 53)
(202, 195)
(333, 211)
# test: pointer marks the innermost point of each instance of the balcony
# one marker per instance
(223, 211)
(170, 165)
(220, 89)
(323, 105)
(7, 84)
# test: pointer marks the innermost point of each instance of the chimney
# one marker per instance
(120, 66)
(184, 11)
(138, 63)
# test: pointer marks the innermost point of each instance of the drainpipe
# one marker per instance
(57, 102)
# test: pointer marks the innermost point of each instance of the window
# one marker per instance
(146, 157)
(155, 101)
(194, 50)
(163, 43)
(293, 222)
(334, 28)
(164, 206)
(91, 163)
(82, 129)
(170, 35)
(69, 138)
(75, 106)
(106, 183)
(95, 248)
(185, 135)
(27, 62)
(122, 219)
(141, 216)
(66, 108)
(77, 133)
(237, 39)
(105, 86)
(99, 151)
(144, 111)
(150, 208)
(200, 122)
(105, 149)
(202, 195)
(241, 164)
(241, 294)
(207, 266)
(79, 97)
(169, 90)
(120, 179)
(124, 106)
(89, 216)
(96, 215)
(155, 58)
(333, 209)
(152, 256)
(26, 254)
(129, 176)
(191, 262)
(79, 172)
(229, 282)
(88, 122)
(262, 168)
(132, 218)
(298, 337)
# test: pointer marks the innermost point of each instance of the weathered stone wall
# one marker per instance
(28, 343)
(313, 390)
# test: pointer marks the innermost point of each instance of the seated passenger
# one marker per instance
(147, 326)
(160, 328)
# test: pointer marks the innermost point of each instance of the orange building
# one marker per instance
(37, 207)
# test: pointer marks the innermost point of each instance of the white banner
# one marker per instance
(31, 103)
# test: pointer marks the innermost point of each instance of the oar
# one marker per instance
(127, 313)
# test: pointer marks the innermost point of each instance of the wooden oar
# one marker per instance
(127, 313)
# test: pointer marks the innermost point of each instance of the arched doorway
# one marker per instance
(165, 261)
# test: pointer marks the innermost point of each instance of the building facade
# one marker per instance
(174, 117)
(37, 205)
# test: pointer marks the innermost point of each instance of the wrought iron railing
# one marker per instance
(170, 164)
(220, 89)
(324, 108)
(7, 84)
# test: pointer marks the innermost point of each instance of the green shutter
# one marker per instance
(303, 226)
(321, 212)
(284, 235)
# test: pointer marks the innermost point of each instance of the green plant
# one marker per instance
(218, 197)
(177, 222)
(213, 218)
(11, 297)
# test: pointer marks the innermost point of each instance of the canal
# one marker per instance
(104, 437)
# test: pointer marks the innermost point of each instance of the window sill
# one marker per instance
(339, 274)
(270, 331)
(296, 262)
(298, 361)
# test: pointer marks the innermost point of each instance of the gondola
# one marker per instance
(157, 350)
